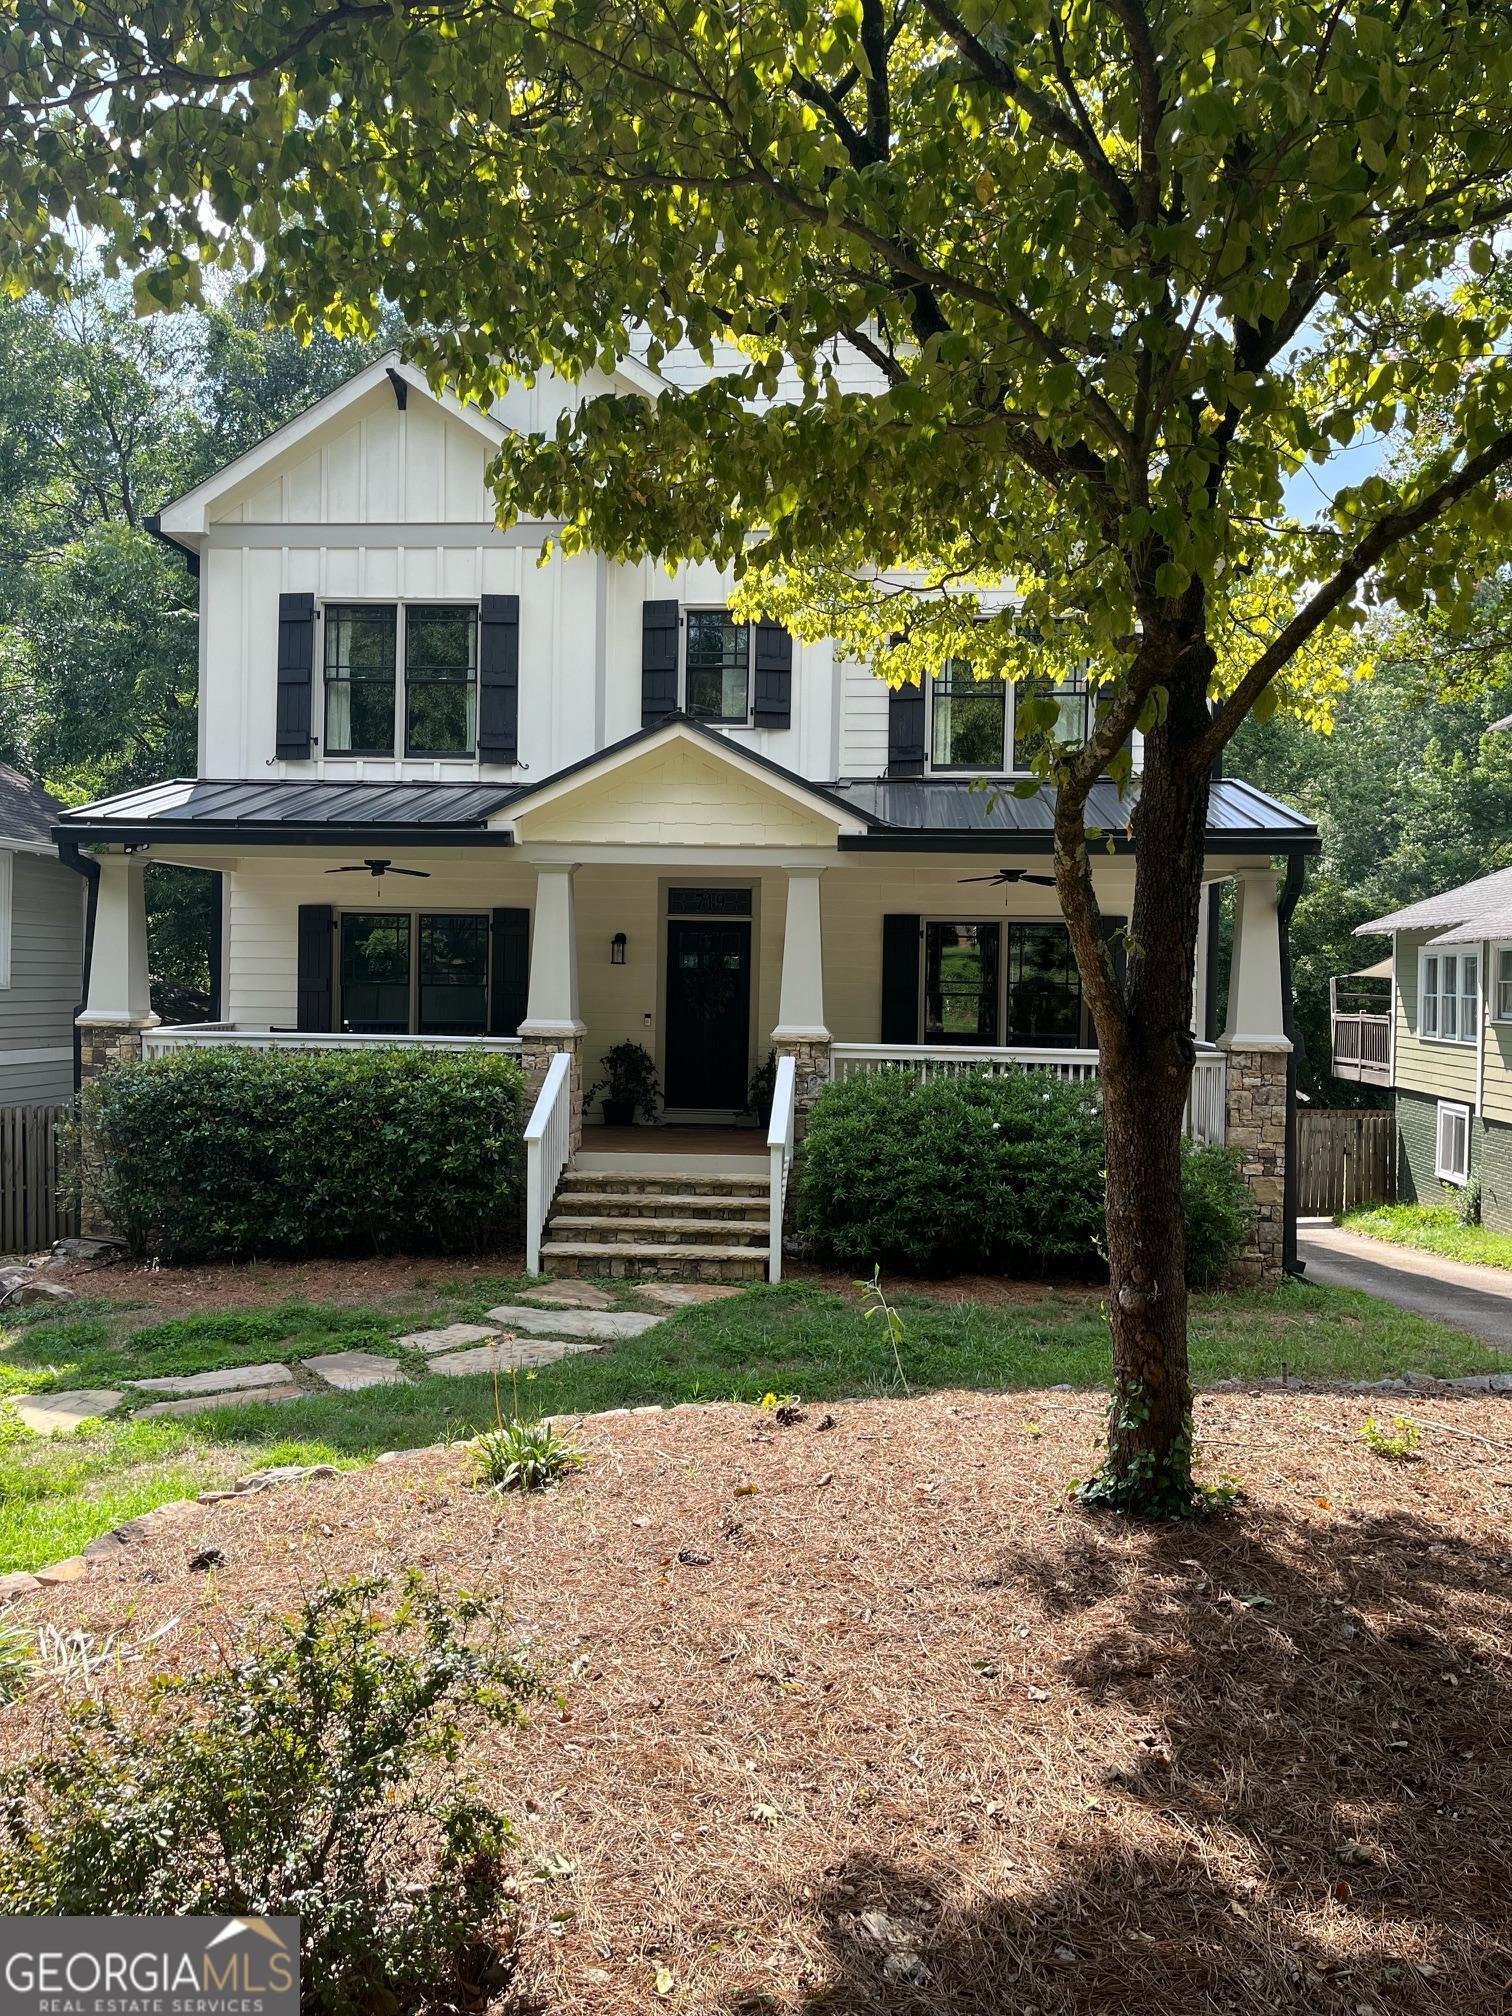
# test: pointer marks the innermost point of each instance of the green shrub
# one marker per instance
(318, 1775)
(977, 1173)
(233, 1154)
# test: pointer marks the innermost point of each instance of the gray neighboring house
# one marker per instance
(41, 949)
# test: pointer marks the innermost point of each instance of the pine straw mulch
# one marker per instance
(898, 1729)
(402, 1279)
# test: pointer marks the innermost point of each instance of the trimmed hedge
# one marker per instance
(985, 1174)
(238, 1154)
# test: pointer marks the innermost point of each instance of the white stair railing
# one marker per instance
(780, 1156)
(548, 1149)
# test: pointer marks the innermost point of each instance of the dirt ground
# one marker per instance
(867, 1717)
(256, 1284)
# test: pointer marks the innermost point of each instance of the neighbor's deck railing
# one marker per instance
(780, 1137)
(1362, 1048)
(548, 1149)
(235, 1036)
(1205, 1105)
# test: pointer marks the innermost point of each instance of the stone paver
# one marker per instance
(569, 1295)
(449, 1339)
(204, 1403)
(350, 1371)
(679, 1295)
(18, 1583)
(62, 1413)
(518, 1356)
(606, 1324)
(225, 1381)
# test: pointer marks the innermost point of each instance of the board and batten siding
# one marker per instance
(37, 1009)
(1443, 1070)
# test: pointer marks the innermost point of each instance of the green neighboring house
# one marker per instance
(1448, 1042)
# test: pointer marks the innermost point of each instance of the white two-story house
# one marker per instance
(457, 796)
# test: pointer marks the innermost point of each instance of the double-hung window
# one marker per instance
(717, 678)
(1448, 997)
(414, 973)
(1069, 724)
(1503, 1005)
(365, 644)
(1451, 1155)
(968, 721)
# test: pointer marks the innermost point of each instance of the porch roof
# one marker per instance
(293, 812)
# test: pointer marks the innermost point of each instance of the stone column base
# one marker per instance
(1256, 1127)
(811, 1070)
(102, 1045)
(536, 1053)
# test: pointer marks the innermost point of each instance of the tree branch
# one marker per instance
(1390, 531)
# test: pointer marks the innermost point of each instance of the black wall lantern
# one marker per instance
(617, 949)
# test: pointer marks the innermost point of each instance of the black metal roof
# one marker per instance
(27, 811)
(902, 813)
(209, 808)
(957, 812)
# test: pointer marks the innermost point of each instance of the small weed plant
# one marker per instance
(878, 1308)
(1396, 1444)
(517, 1454)
(17, 1662)
(319, 1775)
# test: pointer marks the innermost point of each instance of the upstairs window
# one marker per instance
(968, 720)
(1070, 724)
(360, 670)
(718, 681)
(1448, 997)
(1504, 983)
(364, 642)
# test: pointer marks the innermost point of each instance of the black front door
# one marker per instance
(708, 1012)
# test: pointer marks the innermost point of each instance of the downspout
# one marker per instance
(70, 854)
(1291, 889)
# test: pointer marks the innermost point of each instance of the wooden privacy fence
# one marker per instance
(1344, 1160)
(31, 1168)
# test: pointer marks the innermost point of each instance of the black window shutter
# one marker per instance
(317, 930)
(774, 676)
(905, 731)
(296, 663)
(900, 979)
(499, 679)
(509, 960)
(659, 632)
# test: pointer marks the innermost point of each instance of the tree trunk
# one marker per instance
(1147, 1048)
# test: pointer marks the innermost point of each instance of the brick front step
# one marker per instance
(623, 1261)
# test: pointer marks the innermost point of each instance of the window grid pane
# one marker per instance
(1504, 985)
(440, 681)
(1044, 987)
(1070, 724)
(360, 665)
(719, 656)
(1429, 1017)
(453, 990)
(969, 720)
(375, 973)
(961, 983)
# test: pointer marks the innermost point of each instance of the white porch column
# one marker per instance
(801, 1032)
(119, 993)
(1258, 1047)
(800, 1006)
(552, 1022)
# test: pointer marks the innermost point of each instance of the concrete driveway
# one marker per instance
(1477, 1299)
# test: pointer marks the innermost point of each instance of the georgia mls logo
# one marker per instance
(149, 1967)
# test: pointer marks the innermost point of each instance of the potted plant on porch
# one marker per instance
(630, 1085)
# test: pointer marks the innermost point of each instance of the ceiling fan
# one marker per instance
(376, 868)
(1001, 876)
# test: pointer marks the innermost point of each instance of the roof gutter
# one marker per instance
(1291, 889)
(70, 855)
(153, 523)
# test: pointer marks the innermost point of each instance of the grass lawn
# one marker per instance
(1434, 1228)
(58, 1493)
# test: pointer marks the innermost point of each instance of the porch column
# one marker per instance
(1257, 1050)
(118, 1006)
(801, 1032)
(552, 1022)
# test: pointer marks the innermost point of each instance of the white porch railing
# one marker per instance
(780, 1156)
(548, 1148)
(1206, 1102)
(235, 1036)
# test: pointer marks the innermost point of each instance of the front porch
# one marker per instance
(680, 895)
